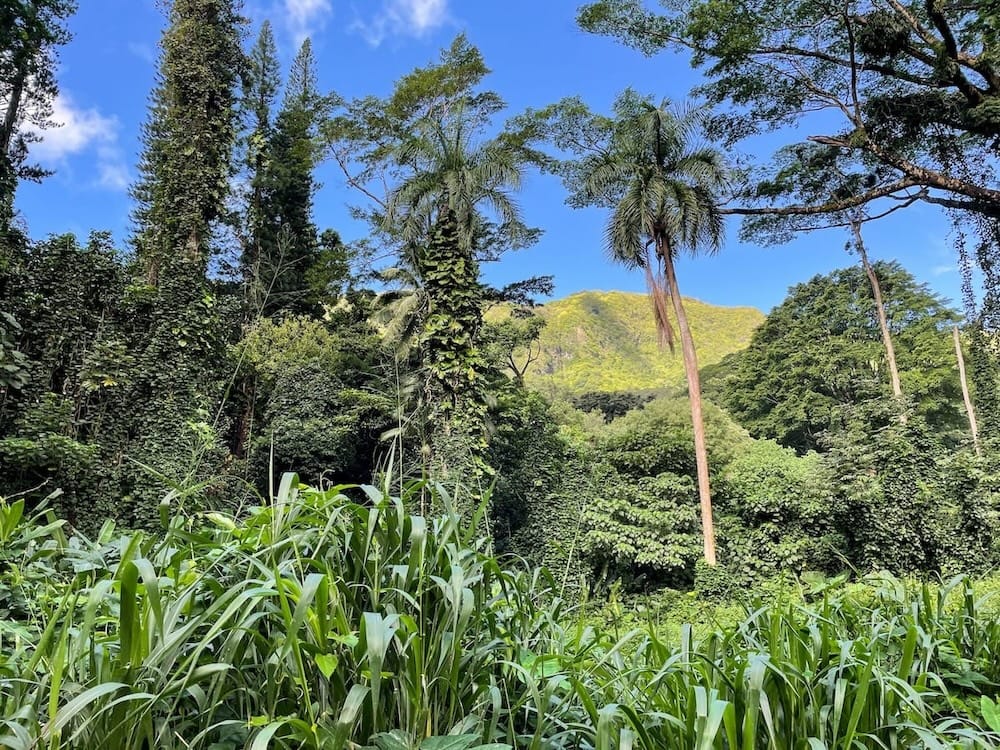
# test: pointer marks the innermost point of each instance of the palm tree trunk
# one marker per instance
(694, 396)
(969, 410)
(883, 323)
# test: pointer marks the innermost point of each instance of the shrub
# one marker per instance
(780, 513)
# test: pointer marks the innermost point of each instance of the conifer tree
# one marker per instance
(260, 91)
(289, 240)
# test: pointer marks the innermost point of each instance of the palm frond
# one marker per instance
(658, 295)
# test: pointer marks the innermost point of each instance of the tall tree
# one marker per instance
(260, 90)
(293, 243)
(448, 208)
(662, 187)
(286, 263)
(166, 416)
(439, 210)
(30, 33)
(187, 158)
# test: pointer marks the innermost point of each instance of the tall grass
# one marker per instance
(318, 621)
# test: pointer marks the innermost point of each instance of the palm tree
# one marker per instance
(441, 212)
(449, 171)
(661, 187)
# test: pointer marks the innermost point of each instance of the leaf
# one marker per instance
(991, 713)
(450, 742)
(263, 738)
(394, 740)
(327, 664)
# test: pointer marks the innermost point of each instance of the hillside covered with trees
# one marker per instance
(608, 342)
(262, 486)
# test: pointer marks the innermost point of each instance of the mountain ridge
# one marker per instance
(607, 341)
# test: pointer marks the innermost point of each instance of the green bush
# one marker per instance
(644, 532)
(780, 514)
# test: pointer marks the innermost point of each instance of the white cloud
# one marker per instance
(943, 269)
(403, 18)
(112, 173)
(306, 16)
(75, 131)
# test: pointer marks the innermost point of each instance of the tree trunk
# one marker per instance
(13, 107)
(973, 427)
(883, 323)
(694, 396)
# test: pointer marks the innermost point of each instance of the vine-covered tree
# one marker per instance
(187, 158)
(448, 208)
(167, 419)
(452, 180)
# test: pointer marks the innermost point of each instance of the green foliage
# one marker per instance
(51, 428)
(820, 352)
(317, 402)
(542, 486)
(312, 419)
(657, 438)
(608, 341)
(509, 339)
(643, 530)
(908, 506)
(318, 622)
(640, 522)
(781, 514)
(13, 363)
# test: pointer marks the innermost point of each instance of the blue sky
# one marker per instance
(537, 54)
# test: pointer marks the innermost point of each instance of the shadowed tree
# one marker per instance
(30, 33)
(647, 165)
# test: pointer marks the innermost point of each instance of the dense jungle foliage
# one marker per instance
(570, 531)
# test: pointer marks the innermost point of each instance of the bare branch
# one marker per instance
(825, 208)
(353, 182)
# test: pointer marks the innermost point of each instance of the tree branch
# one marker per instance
(854, 201)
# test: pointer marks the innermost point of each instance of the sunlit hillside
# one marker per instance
(607, 341)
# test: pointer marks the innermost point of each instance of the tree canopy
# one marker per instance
(900, 100)
(820, 351)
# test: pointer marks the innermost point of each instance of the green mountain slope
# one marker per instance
(606, 341)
